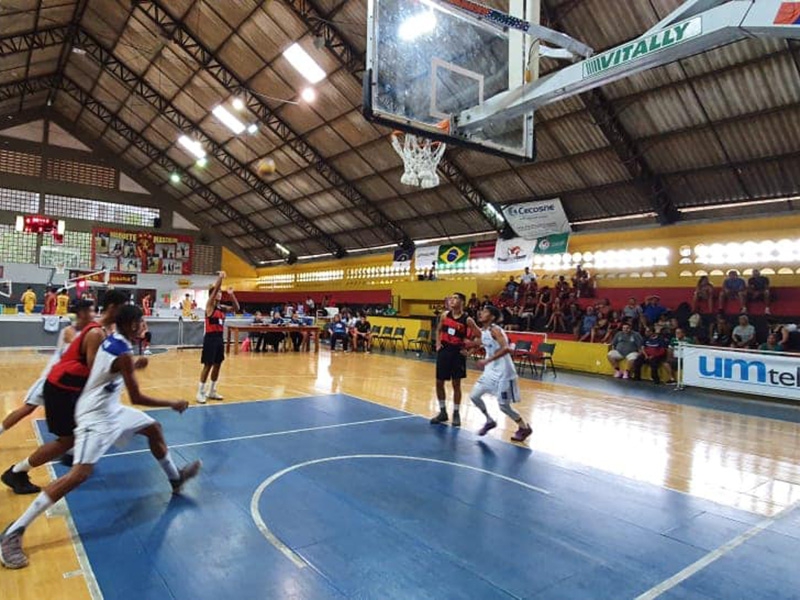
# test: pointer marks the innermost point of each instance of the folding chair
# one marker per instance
(542, 356)
(421, 342)
(398, 336)
(522, 357)
(385, 335)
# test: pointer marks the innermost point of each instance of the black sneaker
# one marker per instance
(440, 418)
(188, 472)
(456, 419)
(19, 482)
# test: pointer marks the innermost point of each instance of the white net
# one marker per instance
(420, 156)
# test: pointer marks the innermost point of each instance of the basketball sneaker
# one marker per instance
(19, 482)
(11, 554)
(186, 473)
(201, 397)
(456, 419)
(522, 434)
(440, 418)
(487, 427)
(215, 395)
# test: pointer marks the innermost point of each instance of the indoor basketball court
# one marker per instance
(418, 299)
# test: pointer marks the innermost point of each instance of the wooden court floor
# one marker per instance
(746, 462)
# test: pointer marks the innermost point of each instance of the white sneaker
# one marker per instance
(214, 396)
(201, 398)
(147, 353)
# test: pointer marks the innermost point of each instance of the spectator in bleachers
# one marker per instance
(572, 316)
(562, 288)
(733, 287)
(527, 280)
(744, 334)
(510, 290)
(486, 301)
(788, 336)
(758, 289)
(600, 328)
(557, 317)
(654, 353)
(626, 345)
(614, 325)
(772, 344)
(704, 292)
(674, 351)
(582, 282)
(653, 310)
(583, 331)
(543, 304)
(719, 333)
(632, 312)
(663, 324)
(473, 306)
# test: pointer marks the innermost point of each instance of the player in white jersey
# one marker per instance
(102, 420)
(84, 313)
(499, 376)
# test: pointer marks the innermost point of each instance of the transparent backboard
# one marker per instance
(427, 61)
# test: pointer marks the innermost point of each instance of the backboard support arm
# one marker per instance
(718, 24)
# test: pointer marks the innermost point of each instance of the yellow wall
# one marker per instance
(414, 296)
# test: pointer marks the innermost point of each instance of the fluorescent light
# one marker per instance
(78, 51)
(417, 25)
(495, 213)
(61, 227)
(237, 104)
(310, 256)
(252, 129)
(19, 225)
(202, 162)
(175, 178)
(371, 248)
(692, 209)
(227, 118)
(282, 249)
(645, 215)
(453, 237)
(309, 94)
(304, 64)
(192, 146)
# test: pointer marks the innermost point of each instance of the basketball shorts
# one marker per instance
(505, 390)
(35, 395)
(450, 364)
(59, 409)
(93, 440)
(213, 350)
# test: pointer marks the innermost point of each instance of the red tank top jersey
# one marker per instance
(454, 331)
(216, 322)
(72, 372)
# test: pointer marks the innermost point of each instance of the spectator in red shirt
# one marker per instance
(654, 352)
(704, 292)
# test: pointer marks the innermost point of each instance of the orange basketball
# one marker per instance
(266, 166)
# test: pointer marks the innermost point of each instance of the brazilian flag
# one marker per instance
(453, 255)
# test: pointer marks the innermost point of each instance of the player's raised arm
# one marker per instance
(211, 303)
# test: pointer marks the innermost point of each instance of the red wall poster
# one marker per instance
(141, 252)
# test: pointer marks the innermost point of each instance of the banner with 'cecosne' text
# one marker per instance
(533, 220)
(774, 375)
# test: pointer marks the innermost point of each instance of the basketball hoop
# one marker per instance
(60, 268)
(420, 157)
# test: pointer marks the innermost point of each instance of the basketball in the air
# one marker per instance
(266, 166)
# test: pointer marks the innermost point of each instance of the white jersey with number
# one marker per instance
(498, 370)
(100, 403)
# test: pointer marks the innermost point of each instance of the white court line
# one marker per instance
(83, 559)
(265, 435)
(298, 560)
(715, 555)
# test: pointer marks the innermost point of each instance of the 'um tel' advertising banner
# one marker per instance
(774, 375)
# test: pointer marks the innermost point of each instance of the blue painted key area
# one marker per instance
(376, 503)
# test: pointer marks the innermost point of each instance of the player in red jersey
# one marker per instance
(213, 344)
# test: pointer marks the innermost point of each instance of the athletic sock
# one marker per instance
(169, 467)
(442, 405)
(37, 507)
(213, 387)
(201, 388)
(22, 466)
(456, 407)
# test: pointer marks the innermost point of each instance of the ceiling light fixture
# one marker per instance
(175, 178)
(304, 64)
(237, 103)
(282, 249)
(309, 94)
(202, 162)
(192, 146)
(228, 119)
(252, 129)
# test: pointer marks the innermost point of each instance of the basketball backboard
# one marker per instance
(428, 61)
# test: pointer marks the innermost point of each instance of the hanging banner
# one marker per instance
(425, 257)
(402, 258)
(773, 375)
(141, 252)
(533, 220)
(480, 250)
(514, 255)
(453, 255)
(552, 244)
(113, 278)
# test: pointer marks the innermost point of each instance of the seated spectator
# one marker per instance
(583, 330)
(257, 337)
(526, 314)
(626, 345)
(510, 289)
(557, 318)
(600, 328)
(744, 334)
(544, 302)
(703, 293)
(527, 281)
(663, 324)
(572, 316)
(757, 289)
(296, 336)
(674, 351)
(653, 310)
(788, 336)
(632, 312)
(772, 344)
(338, 330)
(654, 352)
(733, 287)
(473, 306)
(719, 333)
(614, 325)
(582, 282)
(274, 339)
(562, 288)
(362, 334)
(486, 301)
